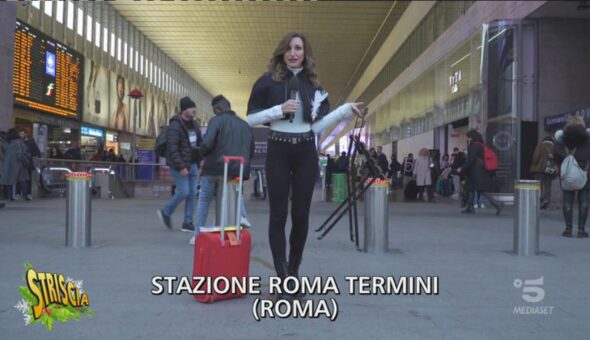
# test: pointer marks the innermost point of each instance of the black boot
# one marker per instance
(469, 204)
(498, 205)
(282, 273)
(469, 209)
(293, 270)
(567, 232)
(582, 233)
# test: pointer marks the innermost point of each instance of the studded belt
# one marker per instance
(291, 138)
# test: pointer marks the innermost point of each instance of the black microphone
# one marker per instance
(293, 86)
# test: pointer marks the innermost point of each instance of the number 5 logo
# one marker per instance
(532, 290)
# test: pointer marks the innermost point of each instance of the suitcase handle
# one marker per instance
(226, 161)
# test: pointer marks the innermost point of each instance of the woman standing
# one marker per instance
(289, 99)
(422, 174)
(574, 140)
(14, 172)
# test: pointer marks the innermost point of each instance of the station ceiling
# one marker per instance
(226, 46)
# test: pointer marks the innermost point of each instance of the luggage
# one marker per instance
(411, 190)
(223, 251)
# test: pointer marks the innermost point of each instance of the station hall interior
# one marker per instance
(428, 70)
(84, 77)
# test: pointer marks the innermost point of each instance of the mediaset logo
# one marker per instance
(532, 292)
(50, 297)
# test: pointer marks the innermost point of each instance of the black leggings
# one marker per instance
(289, 166)
(568, 207)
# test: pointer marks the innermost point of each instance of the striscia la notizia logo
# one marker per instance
(50, 297)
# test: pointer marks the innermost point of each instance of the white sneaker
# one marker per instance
(192, 241)
(475, 206)
(244, 222)
(482, 205)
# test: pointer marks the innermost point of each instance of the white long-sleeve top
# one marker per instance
(275, 114)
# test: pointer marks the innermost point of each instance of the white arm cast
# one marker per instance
(265, 116)
(343, 111)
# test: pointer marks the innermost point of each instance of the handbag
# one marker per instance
(550, 168)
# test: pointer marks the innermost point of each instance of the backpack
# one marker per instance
(572, 177)
(490, 159)
(160, 147)
(408, 167)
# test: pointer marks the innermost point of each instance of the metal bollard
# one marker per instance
(232, 200)
(376, 238)
(78, 209)
(526, 217)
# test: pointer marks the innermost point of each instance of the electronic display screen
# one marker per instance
(47, 74)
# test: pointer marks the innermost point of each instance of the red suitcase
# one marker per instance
(223, 252)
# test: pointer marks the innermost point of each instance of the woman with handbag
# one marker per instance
(574, 140)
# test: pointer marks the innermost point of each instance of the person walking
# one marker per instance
(543, 159)
(183, 138)
(478, 178)
(227, 135)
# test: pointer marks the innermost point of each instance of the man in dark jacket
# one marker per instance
(227, 135)
(478, 178)
(393, 172)
(342, 163)
(34, 151)
(183, 138)
(382, 160)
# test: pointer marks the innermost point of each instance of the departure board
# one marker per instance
(47, 74)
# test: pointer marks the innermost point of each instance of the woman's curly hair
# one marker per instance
(277, 67)
(574, 135)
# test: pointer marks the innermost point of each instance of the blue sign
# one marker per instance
(88, 131)
(557, 121)
(146, 172)
(50, 64)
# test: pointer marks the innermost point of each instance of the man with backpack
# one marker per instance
(183, 138)
(481, 163)
(544, 168)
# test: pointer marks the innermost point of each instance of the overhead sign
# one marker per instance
(47, 74)
(557, 121)
(89, 131)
